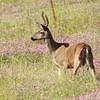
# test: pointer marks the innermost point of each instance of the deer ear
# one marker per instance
(44, 27)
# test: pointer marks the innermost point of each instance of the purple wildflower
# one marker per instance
(97, 61)
(40, 48)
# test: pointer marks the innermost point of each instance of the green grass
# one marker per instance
(72, 17)
(9, 1)
(26, 76)
(33, 76)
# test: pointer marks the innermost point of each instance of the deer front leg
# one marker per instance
(60, 69)
(59, 72)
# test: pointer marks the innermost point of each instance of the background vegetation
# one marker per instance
(26, 70)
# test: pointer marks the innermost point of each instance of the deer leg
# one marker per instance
(60, 69)
(91, 69)
(92, 73)
(89, 61)
(59, 72)
(76, 66)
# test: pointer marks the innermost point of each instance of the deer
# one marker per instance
(65, 55)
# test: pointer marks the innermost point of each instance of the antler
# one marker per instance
(45, 19)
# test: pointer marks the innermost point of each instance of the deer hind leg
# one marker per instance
(76, 66)
(89, 61)
(79, 60)
(91, 69)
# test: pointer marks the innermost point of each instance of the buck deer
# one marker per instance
(65, 55)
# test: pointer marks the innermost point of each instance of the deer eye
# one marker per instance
(42, 32)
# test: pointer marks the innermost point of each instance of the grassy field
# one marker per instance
(18, 17)
(34, 77)
(26, 70)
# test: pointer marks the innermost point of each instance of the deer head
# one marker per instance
(42, 34)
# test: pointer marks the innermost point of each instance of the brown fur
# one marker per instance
(74, 57)
(67, 54)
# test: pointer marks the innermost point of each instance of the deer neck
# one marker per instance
(51, 42)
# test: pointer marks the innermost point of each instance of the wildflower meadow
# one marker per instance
(26, 68)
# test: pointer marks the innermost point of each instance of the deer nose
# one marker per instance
(31, 38)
